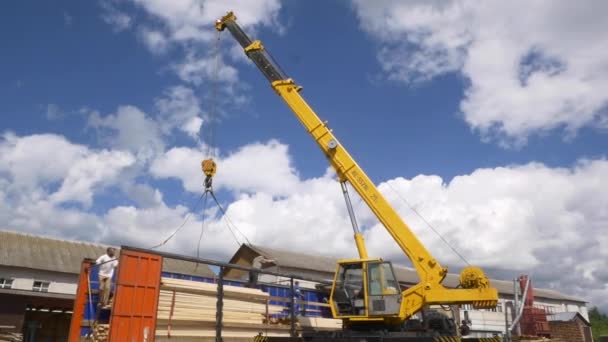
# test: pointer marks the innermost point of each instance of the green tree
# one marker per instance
(599, 323)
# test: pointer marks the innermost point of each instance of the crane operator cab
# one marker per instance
(364, 288)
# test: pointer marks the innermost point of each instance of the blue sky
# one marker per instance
(432, 99)
(80, 62)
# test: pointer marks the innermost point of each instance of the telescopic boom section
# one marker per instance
(343, 163)
(254, 49)
(431, 273)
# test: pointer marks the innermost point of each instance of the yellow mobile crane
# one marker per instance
(365, 293)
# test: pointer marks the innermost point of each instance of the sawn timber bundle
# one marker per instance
(189, 308)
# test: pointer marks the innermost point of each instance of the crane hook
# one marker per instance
(209, 167)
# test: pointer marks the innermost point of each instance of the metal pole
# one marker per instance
(521, 309)
(516, 302)
(220, 306)
(92, 312)
(456, 316)
(349, 206)
(219, 263)
(292, 328)
(507, 332)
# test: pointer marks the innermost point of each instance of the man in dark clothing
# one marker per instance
(258, 263)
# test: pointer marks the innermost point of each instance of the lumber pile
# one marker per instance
(319, 323)
(188, 309)
(101, 332)
(10, 337)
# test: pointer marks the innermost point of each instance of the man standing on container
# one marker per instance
(257, 263)
(106, 263)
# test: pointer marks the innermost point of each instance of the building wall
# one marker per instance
(23, 279)
(485, 323)
(494, 319)
(47, 326)
(12, 311)
(295, 271)
(567, 331)
(556, 306)
(244, 257)
(550, 306)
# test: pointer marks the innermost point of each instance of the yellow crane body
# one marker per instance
(380, 300)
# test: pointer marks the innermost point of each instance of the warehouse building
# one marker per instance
(38, 281)
(38, 278)
(485, 323)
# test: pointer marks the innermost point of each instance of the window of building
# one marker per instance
(41, 286)
(498, 308)
(6, 283)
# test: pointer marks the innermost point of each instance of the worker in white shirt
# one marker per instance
(106, 263)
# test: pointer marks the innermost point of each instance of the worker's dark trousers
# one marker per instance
(253, 279)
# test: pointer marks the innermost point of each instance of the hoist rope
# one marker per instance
(193, 208)
(229, 221)
(427, 223)
(200, 238)
(198, 248)
(212, 114)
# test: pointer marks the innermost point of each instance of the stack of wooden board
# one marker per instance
(319, 323)
(100, 332)
(10, 337)
(189, 308)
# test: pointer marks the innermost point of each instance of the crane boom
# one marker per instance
(342, 162)
(476, 288)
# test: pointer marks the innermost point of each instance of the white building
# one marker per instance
(38, 278)
(38, 281)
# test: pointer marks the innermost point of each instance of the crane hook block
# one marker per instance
(209, 167)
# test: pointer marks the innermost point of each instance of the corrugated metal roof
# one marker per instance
(297, 260)
(187, 267)
(562, 316)
(49, 254)
(404, 274)
(565, 317)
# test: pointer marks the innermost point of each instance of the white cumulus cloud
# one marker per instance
(508, 220)
(192, 20)
(180, 108)
(189, 26)
(87, 173)
(196, 69)
(129, 129)
(252, 168)
(531, 67)
(35, 160)
(155, 40)
(39, 173)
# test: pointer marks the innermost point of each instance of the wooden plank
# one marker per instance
(181, 300)
(320, 322)
(159, 338)
(288, 300)
(196, 332)
(211, 289)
